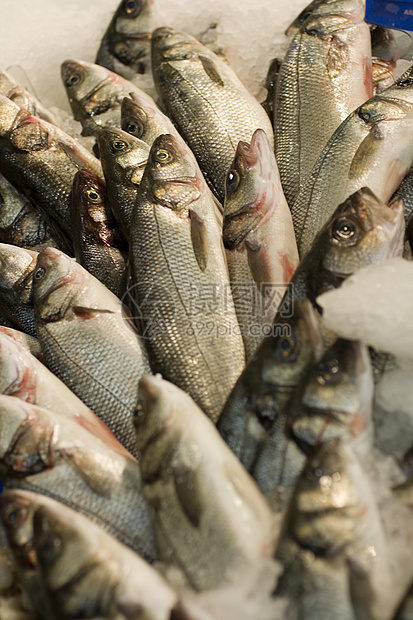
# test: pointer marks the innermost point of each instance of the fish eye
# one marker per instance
(135, 129)
(93, 195)
(119, 145)
(286, 346)
(73, 80)
(162, 156)
(344, 230)
(233, 180)
(49, 548)
(39, 273)
(328, 371)
(365, 115)
(130, 7)
(15, 515)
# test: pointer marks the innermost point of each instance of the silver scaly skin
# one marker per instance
(44, 452)
(222, 111)
(210, 519)
(181, 285)
(372, 147)
(325, 75)
(88, 341)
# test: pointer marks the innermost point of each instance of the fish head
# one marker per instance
(11, 203)
(156, 420)
(15, 371)
(362, 231)
(281, 360)
(250, 190)
(337, 398)
(89, 197)
(134, 17)
(123, 156)
(327, 506)
(16, 264)
(16, 512)
(10, 114)
(173, 174)
(13, 416)
(56, 283)
(170, 45)
(134, 114)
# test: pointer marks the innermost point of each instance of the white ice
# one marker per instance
(38, 36)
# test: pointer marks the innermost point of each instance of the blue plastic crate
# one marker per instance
(390, 14)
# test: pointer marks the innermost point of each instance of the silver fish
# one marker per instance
(180, 275)
(143, 120)
(222, 111)
(88, 341)
(210, 519)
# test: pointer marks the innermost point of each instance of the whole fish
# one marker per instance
(41, 161)
(126, 44)
(43, 452)
(372, 147)
(222, 111)
(21, 223)
(16, 286)
(11, 89)
(334, 400)
(26, 378)
(210, 519)
(325, 75)
(89, 574)
(259, 238)
(332, 545)
(88, 341)
(181, 285)
(143, 120)
(98, 244)
(95, 94)
(269, 380)
(124, 159)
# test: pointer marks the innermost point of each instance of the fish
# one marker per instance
(41, 161)
(268, 382)
(30, 343)
(378, 131)
(124, 159)
(95, 94)
(210, 519)
(43, 452)
(21, 222)
(16, 280)
(25, 377)
(325, 75)
(87, 572)
(259, 238)
(181, 291)
(126, 44)
(98, 244)
(11, 89)
(144, 121)
(334, 400)
(222, 111)
(88, 341)
(332, 543)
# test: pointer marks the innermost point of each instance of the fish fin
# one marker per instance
(30, 137)
(365, 156)
(187, 494)
(85, 466)
(199, 239)
(89, 313)
(211, 69)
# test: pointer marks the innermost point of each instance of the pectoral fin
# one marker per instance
(188, 496)
(199, 238)
(211, 69)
